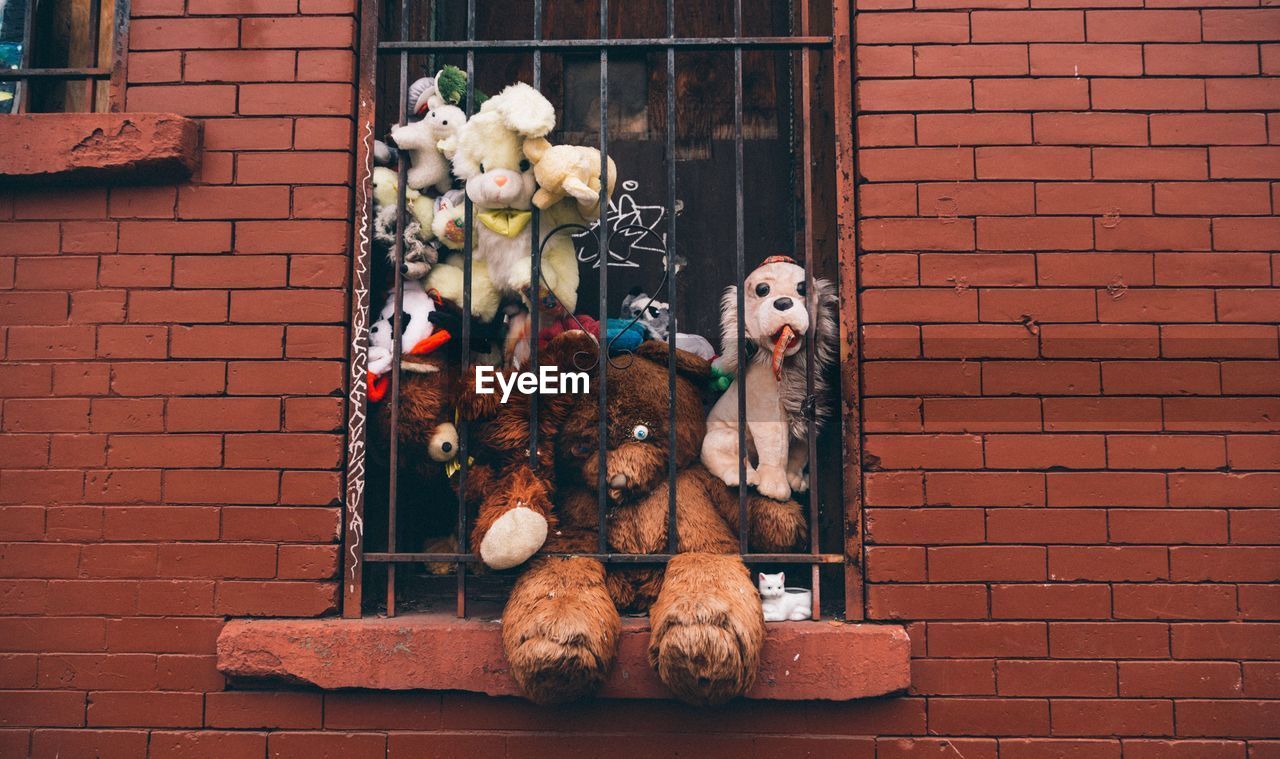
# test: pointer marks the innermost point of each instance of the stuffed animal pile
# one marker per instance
(561, 624)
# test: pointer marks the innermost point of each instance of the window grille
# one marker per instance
(62, 55)
(810, 57)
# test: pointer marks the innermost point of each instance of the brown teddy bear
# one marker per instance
(561, 624)
(427, 446)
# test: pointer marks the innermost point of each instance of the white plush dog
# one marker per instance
(777, 315)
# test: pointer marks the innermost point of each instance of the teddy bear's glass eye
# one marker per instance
(640, 432)
(762, 289)
(524, 165)
(482, 168)
(800, 287)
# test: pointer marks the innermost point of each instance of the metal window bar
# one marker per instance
(804, 45)
(91, 75)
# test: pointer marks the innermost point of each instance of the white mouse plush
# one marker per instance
(421, 140)
(488, 155)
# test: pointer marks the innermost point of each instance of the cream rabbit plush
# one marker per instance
(488, 156)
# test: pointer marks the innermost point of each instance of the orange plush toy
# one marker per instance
(561, 624)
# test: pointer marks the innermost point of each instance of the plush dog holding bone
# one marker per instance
(779, 310)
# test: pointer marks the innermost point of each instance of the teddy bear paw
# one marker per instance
(799, 482)
(513, 538)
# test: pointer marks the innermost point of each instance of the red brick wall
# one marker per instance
(1070, 495)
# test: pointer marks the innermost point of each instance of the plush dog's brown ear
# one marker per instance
(693, 368)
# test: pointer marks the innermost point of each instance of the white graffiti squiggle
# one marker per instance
(632, 226)
(359, 366)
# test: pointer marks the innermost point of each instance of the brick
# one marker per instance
(1240, 24)
(900, 164)
(151, 68)
(1160, 378)
(166, 378)
(1218, 341)
(971, 60)
(1085, 60)
(175, 237)
(1225, 564)
(186, 100)
(42, 708)
(293, 168)
(325, 65)
(1036, 748)
(1058, 601)
(248, 709)
(927, 378)
(1166, 749)
(986, 563)
(1233, 719)
(1172, 527)
(127, 451)
(1099, 341)
(316, 236)
(1228, 414)
(990, 716)
(1253, 451)
(1251, 378)
(221, 486)
(1106, 563)
(183, 34)
(1158, 601)
(915, 305)
(56, 743)
(876, 28)
(219, 341)
(321, 562)
(1110, 640)
(1143, 26)
(239, 66)
(1212, 268)
(1109, 717)
(1208, 129)
(890, 341)
(924, 526)
(990, 128)
(129, 709)
(894, 488)
(1028, 26)
(1097, 269)
(934, 601)
(1198, 60)
(1224, 489)
(1042, 451)
(321, 203)
(182, 745)
(883, 60)
(921, 234)
(977, 199)
(1025, 94)
(1165, 452)
(1148, 94)
(1048, 526)
(952, 677)
(985, 489)
(248, 134)
(297, 32)
(1038, 162)
(1090, 129)
(161, 523)
(1037, 306)
(1056, 678)
(302, 98)
(1246, 234)
(889, 269)
(1235, 640)
(987, 639)
(1036, 233)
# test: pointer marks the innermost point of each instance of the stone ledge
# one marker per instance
(85, 148)
(802, 660)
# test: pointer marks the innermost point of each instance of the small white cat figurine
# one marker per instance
(781, 603)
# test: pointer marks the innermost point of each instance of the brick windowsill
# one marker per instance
(802, 660)
(96, 148)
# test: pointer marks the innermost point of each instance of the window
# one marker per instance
(731, 145)
(61, 56)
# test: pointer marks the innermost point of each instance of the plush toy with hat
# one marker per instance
(779, 311)
(419, 335)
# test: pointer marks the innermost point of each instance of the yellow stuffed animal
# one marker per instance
(567, 170)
